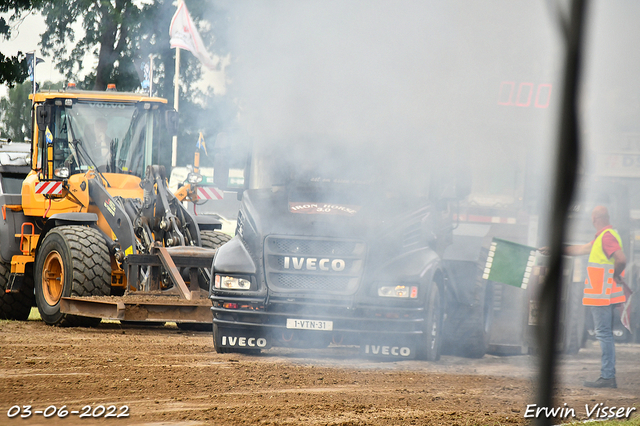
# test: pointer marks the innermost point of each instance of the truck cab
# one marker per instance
(329, 250)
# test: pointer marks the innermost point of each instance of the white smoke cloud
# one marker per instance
(415, 78)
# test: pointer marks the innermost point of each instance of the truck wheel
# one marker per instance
(211, 240)
(72, 261)
(15, 306)
(430, 345)
(226, 350)
(219, 349)
(474, 333)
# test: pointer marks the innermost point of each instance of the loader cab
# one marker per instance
(114, 133)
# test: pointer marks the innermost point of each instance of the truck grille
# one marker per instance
(294, 264)
(312, 247)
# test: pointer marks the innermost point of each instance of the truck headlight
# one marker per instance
(225, 282)
(398, 291)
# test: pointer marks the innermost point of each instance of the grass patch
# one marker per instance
(634, 421)
(34, 315)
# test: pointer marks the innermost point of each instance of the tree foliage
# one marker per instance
(108, 26)
(120, 33)
(16, 114)
(13, 69)
(15, 111)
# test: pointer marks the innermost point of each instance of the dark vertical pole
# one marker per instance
(565, 178)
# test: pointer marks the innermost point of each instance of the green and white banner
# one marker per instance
(509, 263)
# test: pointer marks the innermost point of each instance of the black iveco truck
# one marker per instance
(323, 256)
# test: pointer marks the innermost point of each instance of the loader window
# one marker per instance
(143, 142)
(95, 126)
(113, 136)
(59, 131)
(101, 126)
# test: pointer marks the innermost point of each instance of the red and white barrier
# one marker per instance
(49, 188)
(209, 193)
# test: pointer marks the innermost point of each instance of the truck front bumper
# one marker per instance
(384, 330)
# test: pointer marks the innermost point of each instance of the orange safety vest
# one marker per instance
(600, 287)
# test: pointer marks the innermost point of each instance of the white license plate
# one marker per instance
(301, 324)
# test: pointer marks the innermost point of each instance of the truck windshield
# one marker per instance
(301, 162)
(114, 135)
(322, 165)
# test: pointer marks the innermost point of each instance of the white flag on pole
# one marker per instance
(184, 35)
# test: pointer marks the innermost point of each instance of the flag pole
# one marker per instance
(176, 94)
(151, 74)
(176, 101)
(33, 85)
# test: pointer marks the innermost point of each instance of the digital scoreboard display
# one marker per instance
(524, 94)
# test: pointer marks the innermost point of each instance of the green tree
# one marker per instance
(119, 33)
(108, 26)
(16, 115)
(15, 111)
(13, 69)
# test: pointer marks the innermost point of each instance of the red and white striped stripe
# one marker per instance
(49, 188)
(209, 193)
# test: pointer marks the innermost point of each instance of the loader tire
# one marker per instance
(15, 306)
(213, 239)
(210, 240)
(72, 261)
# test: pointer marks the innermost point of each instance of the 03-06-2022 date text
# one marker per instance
(87, 411)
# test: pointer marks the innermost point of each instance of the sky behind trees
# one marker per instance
(25, 38)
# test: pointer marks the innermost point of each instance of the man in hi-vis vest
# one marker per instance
(603, 289)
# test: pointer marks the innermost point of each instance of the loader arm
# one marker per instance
(116, 217)
(164, 212)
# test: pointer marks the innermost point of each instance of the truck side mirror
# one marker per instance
(43, 116)
(221, 171)
(171, 120)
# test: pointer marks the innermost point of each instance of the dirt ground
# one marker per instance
(169, 377)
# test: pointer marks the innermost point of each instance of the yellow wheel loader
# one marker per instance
(95, 233)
